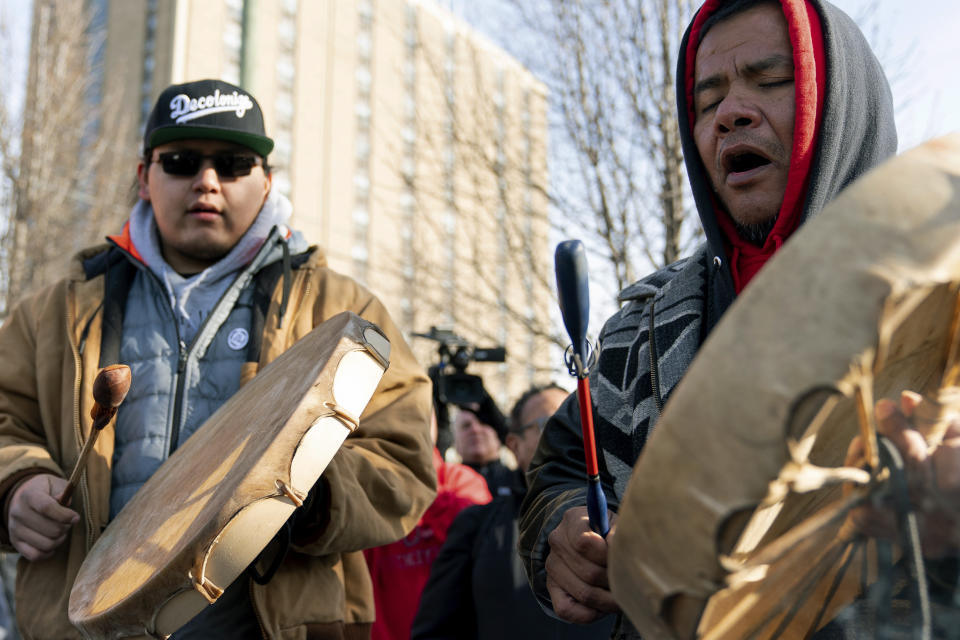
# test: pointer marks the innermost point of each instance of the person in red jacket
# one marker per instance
(400, 570)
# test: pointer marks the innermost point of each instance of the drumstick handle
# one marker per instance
(102, 415)
(110, 387)
(586, 426)
(596, 499)
(597, 507)
(98, 426)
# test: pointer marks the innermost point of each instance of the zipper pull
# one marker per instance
(182, 361)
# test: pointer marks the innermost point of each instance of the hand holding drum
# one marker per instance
(109, 389)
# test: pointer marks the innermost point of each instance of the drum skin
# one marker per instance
(861, 302)
(210, 508)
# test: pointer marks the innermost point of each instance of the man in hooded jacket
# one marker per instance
(205, 285)
(781, 105)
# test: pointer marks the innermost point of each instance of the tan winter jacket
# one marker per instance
(379, 483)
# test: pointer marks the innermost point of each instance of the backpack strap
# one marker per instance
(118, 274)
(119, 279)
(264, 283)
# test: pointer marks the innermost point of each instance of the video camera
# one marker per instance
(451, 383)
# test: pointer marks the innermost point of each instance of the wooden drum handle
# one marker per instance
(109, 389)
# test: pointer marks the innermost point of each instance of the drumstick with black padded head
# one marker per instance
(109, 389)
(570, 264)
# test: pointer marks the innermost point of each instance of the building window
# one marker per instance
(149, 46)
(361, 217)
(363, 79)
(284, 111)
(232, 39)
(361, 186)
(287, 30)
(284, 103)
(362, 147)
(364, 46)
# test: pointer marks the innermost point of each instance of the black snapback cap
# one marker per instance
(207, 109)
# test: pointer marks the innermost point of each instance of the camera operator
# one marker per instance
(479, 427)
(479, 430)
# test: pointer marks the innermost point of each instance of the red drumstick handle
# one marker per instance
(596, 499)
(586, 426)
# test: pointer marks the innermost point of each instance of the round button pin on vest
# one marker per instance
(238, 339)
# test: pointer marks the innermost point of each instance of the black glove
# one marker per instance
(489, 413)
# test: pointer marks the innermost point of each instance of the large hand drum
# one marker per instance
(210, 509)
(737, 501)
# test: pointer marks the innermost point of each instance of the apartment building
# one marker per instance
(413, 149)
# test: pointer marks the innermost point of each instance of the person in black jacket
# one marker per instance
(479, 430)
(477, 588)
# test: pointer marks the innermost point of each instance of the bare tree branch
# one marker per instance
(615, 145)
(61, 167)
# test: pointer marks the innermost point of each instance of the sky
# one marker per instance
(918, 45)
(14, 43)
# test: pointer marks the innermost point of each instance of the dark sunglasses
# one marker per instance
(228, 164)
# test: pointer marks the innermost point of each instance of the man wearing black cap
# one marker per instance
(204, 285)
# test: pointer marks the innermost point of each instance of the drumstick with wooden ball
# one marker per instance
(570, 264)
(109, 389)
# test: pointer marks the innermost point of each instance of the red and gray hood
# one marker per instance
(843, 127)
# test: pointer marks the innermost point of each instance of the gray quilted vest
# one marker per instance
(177, 386)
